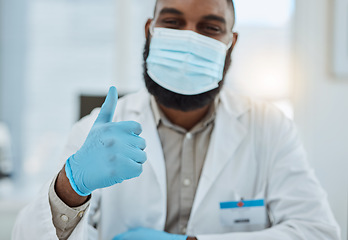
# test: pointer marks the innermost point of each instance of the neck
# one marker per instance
(185, 120)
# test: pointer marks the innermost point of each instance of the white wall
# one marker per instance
(321, 102)
(13, 38)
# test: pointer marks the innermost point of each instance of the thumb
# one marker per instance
(107, 110)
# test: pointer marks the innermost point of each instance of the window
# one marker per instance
(71, 51)
(262, 59)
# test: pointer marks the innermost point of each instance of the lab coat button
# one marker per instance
(64, 218)
(188, 135)
(187, 182)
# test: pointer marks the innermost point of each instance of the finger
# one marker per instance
(131, 168)
(142, 157)
(138, 142)
(130, 152)
(132, 127)
(107, 110)
(137, 155)
(138, 170)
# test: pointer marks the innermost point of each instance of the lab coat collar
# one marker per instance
(141, 107)
(228, 134)
(234, 104)
(140, 101)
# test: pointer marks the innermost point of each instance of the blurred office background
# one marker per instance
(52, 52)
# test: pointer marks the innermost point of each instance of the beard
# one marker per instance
(178, 101)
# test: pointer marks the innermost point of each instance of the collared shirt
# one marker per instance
(184, 153)
(64, 218)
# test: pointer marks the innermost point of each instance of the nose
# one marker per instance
(191, 27)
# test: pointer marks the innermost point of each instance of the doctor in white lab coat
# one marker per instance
(255, 182)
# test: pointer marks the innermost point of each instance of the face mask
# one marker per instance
(185, 62)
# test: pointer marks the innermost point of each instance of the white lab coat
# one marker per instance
(254, 153)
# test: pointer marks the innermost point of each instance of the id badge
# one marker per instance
(244, 214)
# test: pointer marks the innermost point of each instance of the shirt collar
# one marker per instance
(160, 117)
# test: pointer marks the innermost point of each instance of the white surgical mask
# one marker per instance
(185, 62)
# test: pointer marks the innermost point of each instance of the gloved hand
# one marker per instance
(148, 234)
(112, 152)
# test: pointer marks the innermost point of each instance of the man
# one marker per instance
(218, 166)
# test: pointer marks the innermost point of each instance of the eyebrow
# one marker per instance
(215, 18)
(208, 17)
(172, 11)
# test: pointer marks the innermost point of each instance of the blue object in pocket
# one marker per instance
(242, 203)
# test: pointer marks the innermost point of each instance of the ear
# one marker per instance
(235, 38)
(147, 27)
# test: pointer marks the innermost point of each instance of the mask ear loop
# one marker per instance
(152, 26)
(229, 45)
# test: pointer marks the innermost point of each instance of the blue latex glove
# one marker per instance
(112, 152)
(148, 234)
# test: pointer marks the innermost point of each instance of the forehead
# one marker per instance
(198, 7)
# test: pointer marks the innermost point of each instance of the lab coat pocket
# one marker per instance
(244, 215)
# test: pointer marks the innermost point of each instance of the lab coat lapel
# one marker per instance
(153, 149)
(227, 135)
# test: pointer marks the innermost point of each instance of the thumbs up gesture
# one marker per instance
(112, 152)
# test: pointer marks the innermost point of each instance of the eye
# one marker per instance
(210, 29)
(171, 22)
(213, 29)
